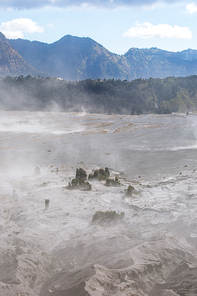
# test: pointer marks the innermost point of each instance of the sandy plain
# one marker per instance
(58, 251)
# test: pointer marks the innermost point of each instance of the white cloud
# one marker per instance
(17, 27)
(148, 30)
(191, 8)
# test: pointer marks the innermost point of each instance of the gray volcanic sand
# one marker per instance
(59, 251)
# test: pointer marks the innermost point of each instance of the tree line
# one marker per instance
(140, 96)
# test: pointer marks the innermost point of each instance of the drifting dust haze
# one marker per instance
(140, 96)
(49, 243)
(42, 94)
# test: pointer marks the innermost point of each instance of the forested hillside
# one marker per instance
(100, 96)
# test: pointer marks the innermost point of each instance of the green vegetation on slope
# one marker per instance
(101, 96)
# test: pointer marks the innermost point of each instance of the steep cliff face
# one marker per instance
(11, 63)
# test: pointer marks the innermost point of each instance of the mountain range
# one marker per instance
(74, 58)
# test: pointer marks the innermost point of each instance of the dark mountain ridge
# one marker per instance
(75, 58)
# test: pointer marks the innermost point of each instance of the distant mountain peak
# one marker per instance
(75, 40)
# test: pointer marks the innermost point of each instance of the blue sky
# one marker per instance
(118, 25)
